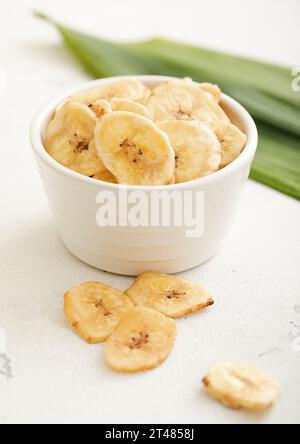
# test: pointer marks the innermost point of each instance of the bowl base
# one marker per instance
(132, 268)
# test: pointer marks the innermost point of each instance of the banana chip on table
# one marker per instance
(134, 150)
(181, 100)
(171, 295)
(94, 310)
(130, 106)
(69, 136)
(131, 89)
(233, 141)
(142, 340)
(239, 386)
(197, 149)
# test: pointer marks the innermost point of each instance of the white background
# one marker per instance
(255, 280)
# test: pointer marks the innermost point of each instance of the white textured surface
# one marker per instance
(255, 280)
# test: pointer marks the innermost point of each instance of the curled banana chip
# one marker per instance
(239, 386)
(181, 100)
(130, 106)
(94, 310)
(134, 150)
(212, 89)
(170, 295)
(142, 340)
(233, 141)
(101, 107)
(197, 149)
(131, 89)
(69, 136)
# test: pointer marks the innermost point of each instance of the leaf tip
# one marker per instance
(41, 15)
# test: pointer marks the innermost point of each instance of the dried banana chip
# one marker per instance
(239, 386)
(101, 107)
(197, 149)
(134, 150)
(142, 340)
(130, 106)
(146, 97)
(181, 100)
(233, 141)
(171, 295)
(69, 136)
(131, 89)
(105, 176)
(94, 310)
(188, 80)
(102, 174)
(212, 89)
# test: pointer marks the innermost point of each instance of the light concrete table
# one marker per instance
(255, 280)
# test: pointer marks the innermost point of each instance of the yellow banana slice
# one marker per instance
(181, 100)
(69, 136)
(131, 89)
(233, 141)
(170, 295)
(212, 89)
(142, 340)
(105, 176)
(197, 149)
(130, 106)
(94, 310)
(134, 150)
(102, 174)
(101, 108)
(239, 386)
(145, 97)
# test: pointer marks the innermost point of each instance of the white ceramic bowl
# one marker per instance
(131, 250)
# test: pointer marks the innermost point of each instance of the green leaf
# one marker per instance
(277, 163)
(268, 108)
(271, 79)
(269, 102)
